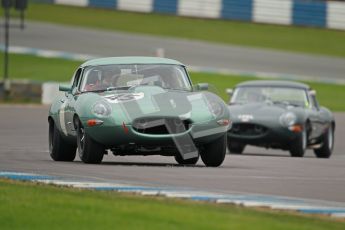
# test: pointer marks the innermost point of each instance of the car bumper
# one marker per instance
(114, 135)
(273, 136)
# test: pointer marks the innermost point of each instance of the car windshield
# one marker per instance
(122, 77)
(276, 95)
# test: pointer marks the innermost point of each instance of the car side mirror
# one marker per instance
(65, 88)
(312, 93)
(201, 86)
(229, 92)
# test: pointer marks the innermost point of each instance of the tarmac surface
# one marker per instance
(196, 53)
(24, 148)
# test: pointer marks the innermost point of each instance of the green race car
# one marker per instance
(279, 114)
(137, 106)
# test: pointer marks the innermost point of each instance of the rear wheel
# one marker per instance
(89, 151)
(59, 149)
(235, 147)
(213, 154)
(181, 161)
(327, 144)
(299, 146)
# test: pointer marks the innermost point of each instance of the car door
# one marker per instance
(318, 121)
(71, 98)
(62, 104)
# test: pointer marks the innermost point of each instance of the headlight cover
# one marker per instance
(216, 108)
(101, 109)
(288, 119)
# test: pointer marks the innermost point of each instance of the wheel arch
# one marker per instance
(50, 119)
(53, 121)
(75, 118)
(308, 126)
(333, 124)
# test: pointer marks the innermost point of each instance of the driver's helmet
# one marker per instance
(109, 75)
(255, 96)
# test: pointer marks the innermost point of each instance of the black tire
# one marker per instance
(299, 146)
(59, 149)
(327, 144)
(89, 151)
(181, 161)
(235, 147)
(213, 154)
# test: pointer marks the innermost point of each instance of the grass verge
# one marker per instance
(26, 205)
(54, 69)
(288, 38)
(39, 68)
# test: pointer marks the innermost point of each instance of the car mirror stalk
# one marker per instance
(65, 88)
(201, 86)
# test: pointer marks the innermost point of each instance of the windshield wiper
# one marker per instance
(236, 103)
(287, 103)
(106, 89)
(117, 87)
(179, 89)
(281, 102)
(93, 91)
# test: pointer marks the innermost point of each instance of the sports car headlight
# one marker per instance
(288, 119)
(101, 109)
(216, 108)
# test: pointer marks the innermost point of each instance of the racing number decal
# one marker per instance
(124, 97)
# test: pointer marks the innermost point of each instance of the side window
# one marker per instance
(77, 77)
(314, 103)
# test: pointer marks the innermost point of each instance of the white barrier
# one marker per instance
(135, 5)
(272, 11)
(73, 2)
(263, 11)
(336, 15)
(200, 8)
(50, 91)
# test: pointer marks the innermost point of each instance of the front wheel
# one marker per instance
(89, 151)
(235, 147)
(327, 144)
(59, 149)
(213, 154)
(299, 146)
(181, 161)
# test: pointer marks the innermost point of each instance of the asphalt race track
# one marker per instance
(24, 148)
(196, 53)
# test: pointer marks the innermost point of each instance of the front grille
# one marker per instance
(248, 129)
(161, 125)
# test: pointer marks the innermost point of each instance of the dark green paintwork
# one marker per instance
(273, 83)
(268, 114)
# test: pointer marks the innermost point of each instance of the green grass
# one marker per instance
(54, 69)
(297, 39)
(30, 206)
